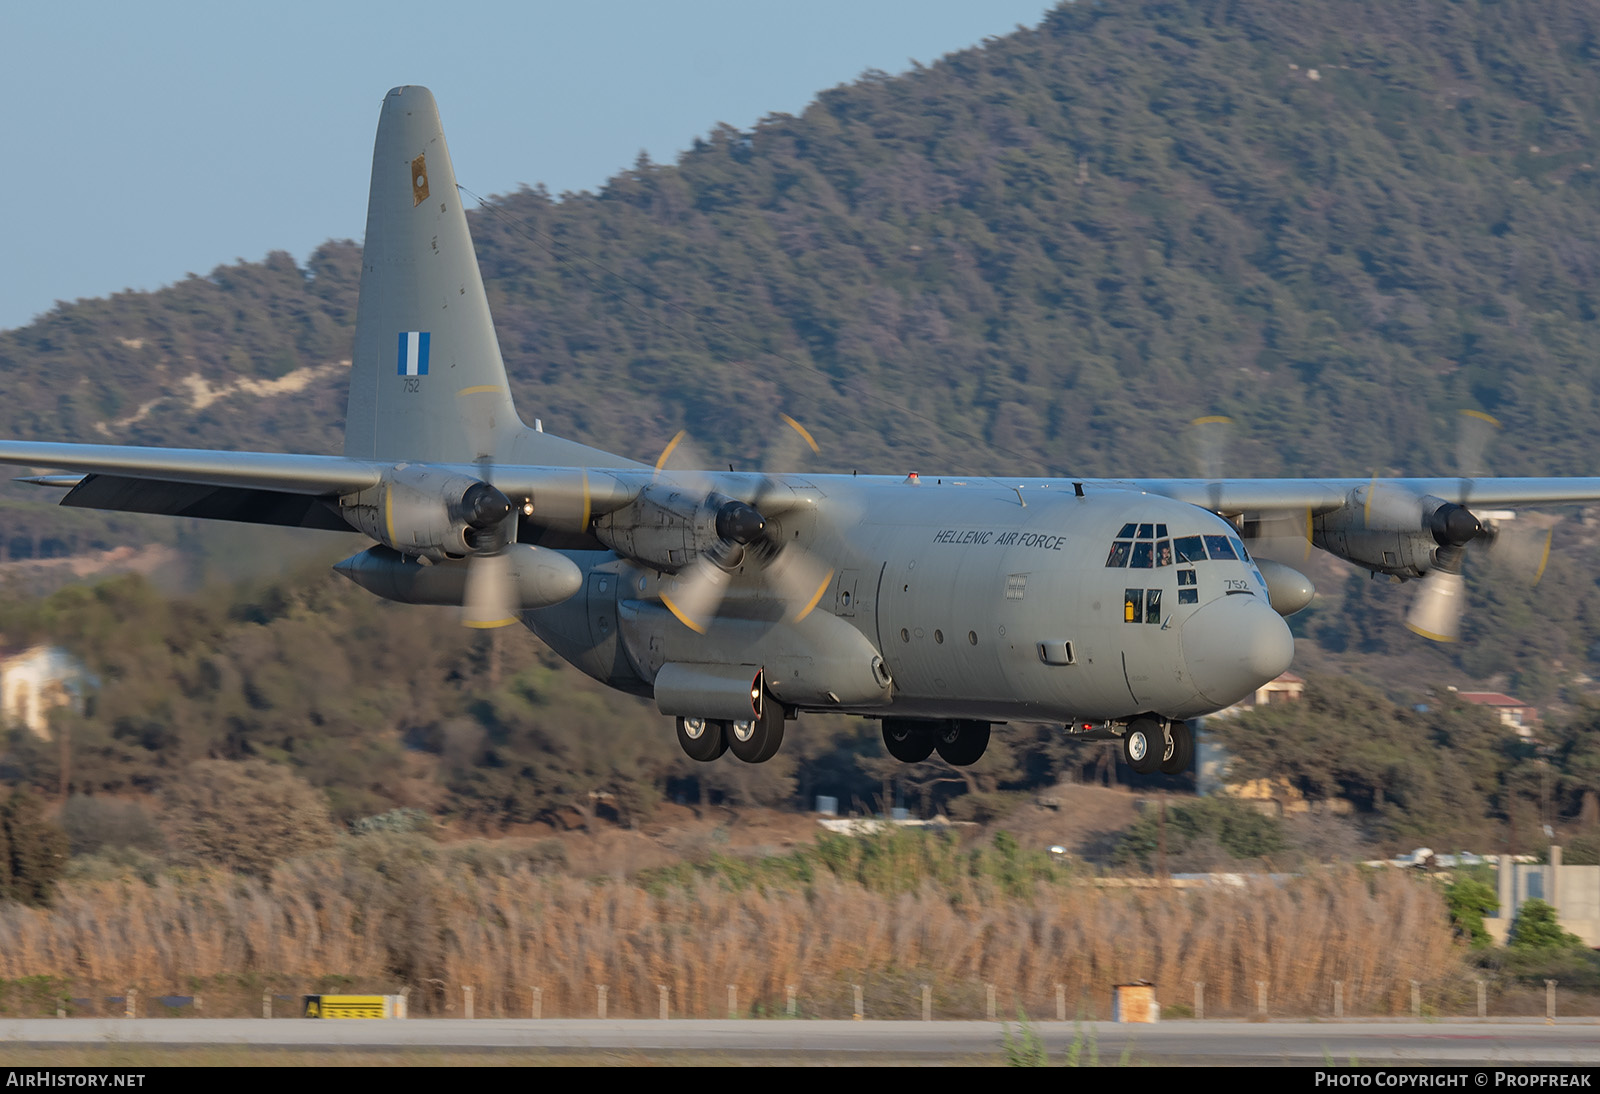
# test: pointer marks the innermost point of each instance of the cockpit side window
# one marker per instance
(1238, 545)
(1220, 548)
(1189, 549)
(1119, 554)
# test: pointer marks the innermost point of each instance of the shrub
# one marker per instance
(246, 816)
(1536, 928)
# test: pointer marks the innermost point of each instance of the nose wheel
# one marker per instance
(1178, 754)
(1144, 744)
(1152, 744)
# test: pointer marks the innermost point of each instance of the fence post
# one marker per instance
(1338, 998)
(1061, 1002)
(927, 1003)
(1200, 999)
(860, 1011)
(1550, 1002)
(990, 988)
(198, 1007)
(600, 989)
(794, 1003)
(538, 1003)
(733, 1002)
(1261, 997)
(1483, 1000)
(1416, 999)
(466, 1009)
(129, 1007)
(663, 989)
(266, 1004)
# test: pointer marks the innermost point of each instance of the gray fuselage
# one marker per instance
(953, 598)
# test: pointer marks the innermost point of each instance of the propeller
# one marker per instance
(1522, 550)
(1275, 534)
(744, 537)
(490, 598)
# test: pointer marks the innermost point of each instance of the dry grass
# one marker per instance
(416, 918)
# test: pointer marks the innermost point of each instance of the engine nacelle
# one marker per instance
(1389, 530)
(666, 527)
(423, 511)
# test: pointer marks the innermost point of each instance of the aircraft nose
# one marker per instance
(1233, 645)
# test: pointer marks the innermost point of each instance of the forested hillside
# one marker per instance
(1336, 223)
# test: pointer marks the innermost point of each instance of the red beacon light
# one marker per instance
(914, 479)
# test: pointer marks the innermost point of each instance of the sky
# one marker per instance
(147, 141)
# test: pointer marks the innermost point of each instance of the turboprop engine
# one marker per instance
(464, 528)
(1389, 530)
(428, 513)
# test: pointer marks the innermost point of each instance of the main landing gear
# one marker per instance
(1151, 744)
(960, 742)
(755, 741)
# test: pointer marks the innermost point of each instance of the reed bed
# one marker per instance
(419, 921)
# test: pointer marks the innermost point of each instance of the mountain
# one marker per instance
(1336, 223)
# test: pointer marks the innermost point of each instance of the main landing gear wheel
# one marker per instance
(702, 739)
(907, 740)
(1179, 751)
(758, 740)
(1143, 744)
(962, 743)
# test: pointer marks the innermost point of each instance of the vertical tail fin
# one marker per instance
(427, 382)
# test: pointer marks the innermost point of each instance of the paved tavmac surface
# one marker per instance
(1571, 1041)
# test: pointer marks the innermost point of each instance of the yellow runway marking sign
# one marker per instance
(348, 1006)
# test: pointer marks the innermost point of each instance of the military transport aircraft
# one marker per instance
(939, 605)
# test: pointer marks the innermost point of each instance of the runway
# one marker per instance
(1508, 1042)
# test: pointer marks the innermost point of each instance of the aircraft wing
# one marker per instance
(1231, 496)
(296, 474)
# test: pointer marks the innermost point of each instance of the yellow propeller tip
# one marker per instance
(682, 616)
(487, 624)
(802, 430)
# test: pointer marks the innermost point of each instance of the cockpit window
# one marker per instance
(1238, 545)
(1127, 531)
(1143, 555)
(1118, 555)
(1220, 547)
(1164, 552)
(1147, 531)
(1189, 549)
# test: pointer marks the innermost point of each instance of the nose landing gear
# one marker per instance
(1151, 744)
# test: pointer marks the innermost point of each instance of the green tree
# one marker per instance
(1536, 928)
(1469, 900)
(32, 850)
